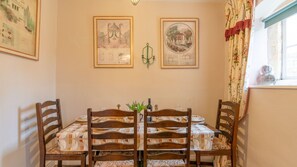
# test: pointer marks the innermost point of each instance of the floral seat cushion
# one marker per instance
(220, 144)
(56, 150)
(127, 163)
(165, 163)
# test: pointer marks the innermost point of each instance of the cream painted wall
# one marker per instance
(272, 128)
(24, 82)
(80, 86)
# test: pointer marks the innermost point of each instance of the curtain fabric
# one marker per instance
(238, 30)
(237, 33)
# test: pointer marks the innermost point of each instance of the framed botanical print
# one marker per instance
(179, 42)
(19, 25)
(113, 41)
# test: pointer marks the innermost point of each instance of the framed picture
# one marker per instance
(113, 41)
(19, 24)
(179, 42)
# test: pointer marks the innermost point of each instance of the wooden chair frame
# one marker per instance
(168, 134)
(227, 123)
(112, 135)
(48, 127)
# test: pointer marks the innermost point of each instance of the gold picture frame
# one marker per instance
(113, 41)
(179, 42)
(19, 24)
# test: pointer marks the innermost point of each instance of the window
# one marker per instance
(282, 43)
(289, 53)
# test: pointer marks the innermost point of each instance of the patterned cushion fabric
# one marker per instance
(56, 150)
(129, 163)
(220, 144)
(165, 163)
(222, 161)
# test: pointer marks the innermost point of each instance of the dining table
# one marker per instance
(74, 137)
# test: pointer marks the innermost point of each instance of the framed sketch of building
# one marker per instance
(179, 43)
(113, 41)
(19, 25)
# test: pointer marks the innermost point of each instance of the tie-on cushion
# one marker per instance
(165, 163)
(56, 150)
(126, 163)
(129, 163)
(220, 144)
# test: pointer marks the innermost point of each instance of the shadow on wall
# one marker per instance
(27, 152)
(242, 142)
(28, 134)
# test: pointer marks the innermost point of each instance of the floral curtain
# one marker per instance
(237, 33)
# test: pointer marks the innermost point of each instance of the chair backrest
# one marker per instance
(123, 135)
(49, 122)
(175, 139)
(227, 120)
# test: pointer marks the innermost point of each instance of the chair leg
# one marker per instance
(83, 160)
(233, 160)
(42, 162)
(59, 163)
(91, 163)
(197, 158)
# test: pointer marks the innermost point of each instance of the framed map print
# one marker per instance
(113, 41)
(179, 42)
(19, 25)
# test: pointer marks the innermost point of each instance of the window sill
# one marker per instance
(287, 82)
(272, 87)
(281, 84)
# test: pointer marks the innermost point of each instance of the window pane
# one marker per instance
(291, 62)
(274, 51)
(291, 27)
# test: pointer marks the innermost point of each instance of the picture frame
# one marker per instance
(179, 42)
(19, 25)
(113, 41)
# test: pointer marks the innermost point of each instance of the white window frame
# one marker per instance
(284, 52)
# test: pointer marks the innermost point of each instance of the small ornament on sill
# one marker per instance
(265, 77)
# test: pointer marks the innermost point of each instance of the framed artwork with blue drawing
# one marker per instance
(113, 41)
(179, 42)
(19, 25)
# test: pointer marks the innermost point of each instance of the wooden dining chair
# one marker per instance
(114, 139)
(226, 142)
(167, 142)
(49, 123)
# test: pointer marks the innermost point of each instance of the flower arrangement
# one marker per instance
(136, 106)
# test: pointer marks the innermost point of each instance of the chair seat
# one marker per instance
(128, 163)
(220, 144)
(165, 163)
(56, 150)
